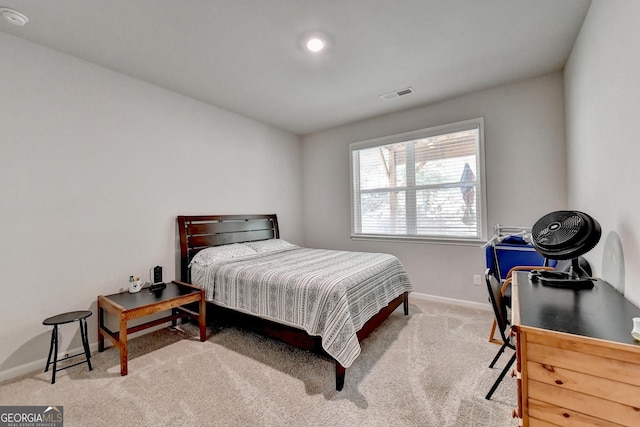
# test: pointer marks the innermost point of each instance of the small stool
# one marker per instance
(61, 319)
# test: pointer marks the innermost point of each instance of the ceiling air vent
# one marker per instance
(397, 94)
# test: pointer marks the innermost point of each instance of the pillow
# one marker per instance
(270, 245)
(217, 253)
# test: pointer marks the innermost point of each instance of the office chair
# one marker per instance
(500, 311)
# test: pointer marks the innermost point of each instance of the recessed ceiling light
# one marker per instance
(316, 44)
(13, 16)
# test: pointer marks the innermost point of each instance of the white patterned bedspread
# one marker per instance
(327, 293)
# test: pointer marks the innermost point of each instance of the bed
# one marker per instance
(320, 300)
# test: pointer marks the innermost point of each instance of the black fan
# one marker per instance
(564, 235)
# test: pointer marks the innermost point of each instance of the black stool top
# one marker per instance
(66, 317)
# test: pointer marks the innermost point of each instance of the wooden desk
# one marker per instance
(577, 363)
(126, 306)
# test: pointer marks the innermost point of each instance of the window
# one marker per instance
(427, 184)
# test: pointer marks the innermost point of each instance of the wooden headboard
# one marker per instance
(201, 231)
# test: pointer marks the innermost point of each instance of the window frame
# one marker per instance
(481, 209)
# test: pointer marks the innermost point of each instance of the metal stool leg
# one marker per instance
(85, 341)
(55, 353)
(53, 337)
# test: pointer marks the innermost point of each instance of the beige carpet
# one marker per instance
(426, 369)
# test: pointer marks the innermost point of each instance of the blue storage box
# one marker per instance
(511, 252)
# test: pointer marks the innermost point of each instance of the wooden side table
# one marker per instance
(127, 306)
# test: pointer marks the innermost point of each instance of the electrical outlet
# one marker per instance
(477, 279)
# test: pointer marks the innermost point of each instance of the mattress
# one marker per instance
(327, 293)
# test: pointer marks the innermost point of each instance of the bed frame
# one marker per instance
(202, 231)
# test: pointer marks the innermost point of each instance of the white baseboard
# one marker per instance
(463, 303)
(38, 365)
(21, 370)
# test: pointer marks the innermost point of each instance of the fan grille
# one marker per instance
(565, 234)
(559, 231)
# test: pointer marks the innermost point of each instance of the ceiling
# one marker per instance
(246, 56)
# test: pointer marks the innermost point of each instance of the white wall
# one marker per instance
(526, 177)
(94, 168)
(603, 103)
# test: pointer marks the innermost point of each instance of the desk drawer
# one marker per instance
(604, 388)
(543, 414)
(570, 403)
(604, 367)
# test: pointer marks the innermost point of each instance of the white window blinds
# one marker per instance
(423, 184)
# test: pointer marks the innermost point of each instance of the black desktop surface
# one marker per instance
(601, 312)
